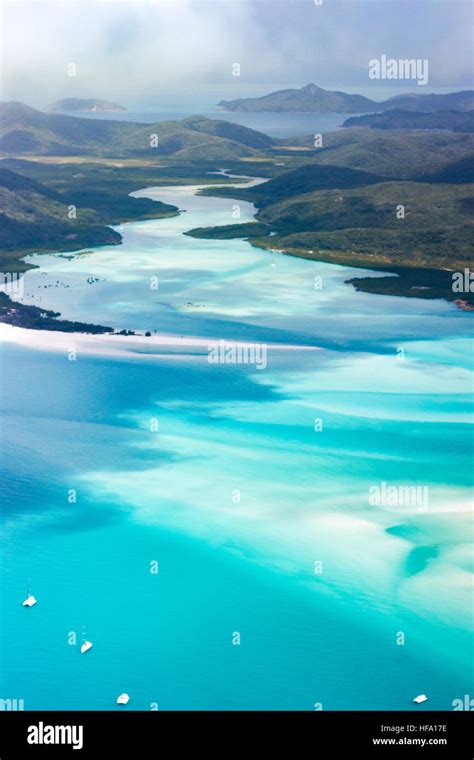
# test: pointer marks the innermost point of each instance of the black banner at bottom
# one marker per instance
(374, 734)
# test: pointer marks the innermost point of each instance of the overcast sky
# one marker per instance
(176, 51)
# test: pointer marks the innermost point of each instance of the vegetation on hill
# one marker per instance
(455, 101)
(34, 216)
(230, 131)
(230, 231)
(387, 205)
(456, 172)
(456, 121)
(396, 154)
(66, 215)
(26, 131)
(308, 178)
(435, 229)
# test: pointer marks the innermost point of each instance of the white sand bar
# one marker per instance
(131, 346)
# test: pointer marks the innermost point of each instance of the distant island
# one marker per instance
(308, 99)
(84, 104)
(314, 99)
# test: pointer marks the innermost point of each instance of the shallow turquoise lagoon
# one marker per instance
(252, 495)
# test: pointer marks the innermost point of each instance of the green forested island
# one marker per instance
(310, 98)
(314, 99)
(84, 104)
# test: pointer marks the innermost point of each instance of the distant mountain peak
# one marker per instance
(311, 89)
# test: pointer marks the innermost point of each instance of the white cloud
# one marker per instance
(183, 50)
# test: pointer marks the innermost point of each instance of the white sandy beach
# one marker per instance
(131, 346)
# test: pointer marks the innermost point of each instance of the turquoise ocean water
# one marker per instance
(260, 524)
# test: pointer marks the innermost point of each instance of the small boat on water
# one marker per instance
(123, 699)
(420, 698)
(86, 645)
(30, 600)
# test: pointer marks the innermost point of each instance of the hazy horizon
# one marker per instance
(147, 54)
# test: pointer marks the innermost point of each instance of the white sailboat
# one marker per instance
(30, 600)
(86, 645)
(420, 698)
